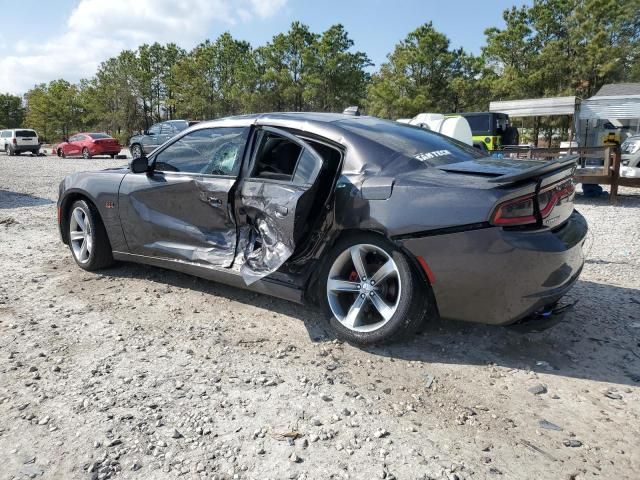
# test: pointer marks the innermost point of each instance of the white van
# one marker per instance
(18, 140)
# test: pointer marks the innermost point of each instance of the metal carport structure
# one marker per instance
(536, 107)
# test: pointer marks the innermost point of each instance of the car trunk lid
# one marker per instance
(536, 192)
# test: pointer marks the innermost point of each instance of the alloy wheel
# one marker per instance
(80, 235)
(136, 151)
(364, 288)
(85, 153)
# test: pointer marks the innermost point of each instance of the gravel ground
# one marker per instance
(138, 372)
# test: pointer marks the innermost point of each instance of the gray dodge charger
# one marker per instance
(382, 224)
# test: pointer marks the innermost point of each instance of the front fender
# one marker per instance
(101, 189)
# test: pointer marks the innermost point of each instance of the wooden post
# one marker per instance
(608, 156)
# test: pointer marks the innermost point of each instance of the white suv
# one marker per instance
(18, 140)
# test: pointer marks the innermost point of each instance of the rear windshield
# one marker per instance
(25, 133)
(95, 136)
(429, 147)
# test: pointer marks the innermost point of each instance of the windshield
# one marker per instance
(429, 147)
(95, 136)
(630, 146)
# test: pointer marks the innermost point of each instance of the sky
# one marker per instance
(69, 38)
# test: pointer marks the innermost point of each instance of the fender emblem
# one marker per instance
(109, 204)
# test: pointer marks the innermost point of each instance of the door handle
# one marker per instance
(281, 211)
(214, 202)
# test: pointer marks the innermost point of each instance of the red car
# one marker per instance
(88, 145)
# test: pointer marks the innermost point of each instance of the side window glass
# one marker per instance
(308, 168)
(155, 129)
(210, 151)
(166, 129)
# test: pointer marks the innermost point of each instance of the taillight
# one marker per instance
(521, 210)
(550, 196)
(15, 141)
(518, 211)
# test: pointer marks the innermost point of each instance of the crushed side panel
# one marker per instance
(267, 241)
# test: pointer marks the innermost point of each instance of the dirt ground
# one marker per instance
(138, 372)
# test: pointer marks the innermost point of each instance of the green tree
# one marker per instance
(215, 79)
(54, 109)
(283, 69)
(11, 111)
(417, 76)
(336, 76)
(109, 99)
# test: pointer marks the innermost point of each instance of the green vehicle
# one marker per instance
(491, 128)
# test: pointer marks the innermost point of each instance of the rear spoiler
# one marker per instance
(559, 164)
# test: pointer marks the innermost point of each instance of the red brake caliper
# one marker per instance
(353, 276)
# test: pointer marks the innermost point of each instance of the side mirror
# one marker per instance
(65, 139)
(139, 165)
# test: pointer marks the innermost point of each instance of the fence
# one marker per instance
(606, 174)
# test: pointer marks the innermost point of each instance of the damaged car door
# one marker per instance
(275, 198)
(181, 208)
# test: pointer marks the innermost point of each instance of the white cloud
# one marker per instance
(97, 30)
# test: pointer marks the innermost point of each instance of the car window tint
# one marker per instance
(166, 129)
(431, 148)
(210, 151)
(277, 158)
(25, 133)
(96, 136)
(155, 129)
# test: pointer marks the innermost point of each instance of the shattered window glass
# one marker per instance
(209, 151)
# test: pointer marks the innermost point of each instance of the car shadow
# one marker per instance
(599, 339)
(10, 199)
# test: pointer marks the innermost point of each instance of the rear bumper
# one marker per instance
(105, 150)
(499, 277)
(25, 148)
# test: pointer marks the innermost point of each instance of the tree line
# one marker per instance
(551, 48)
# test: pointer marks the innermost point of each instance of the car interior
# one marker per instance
(277, 158)
(281, 159)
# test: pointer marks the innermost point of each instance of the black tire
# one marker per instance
(101, 255)
(112, 155)
(414, 300)
(61, 153)
(7, 150)
(86, 154)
